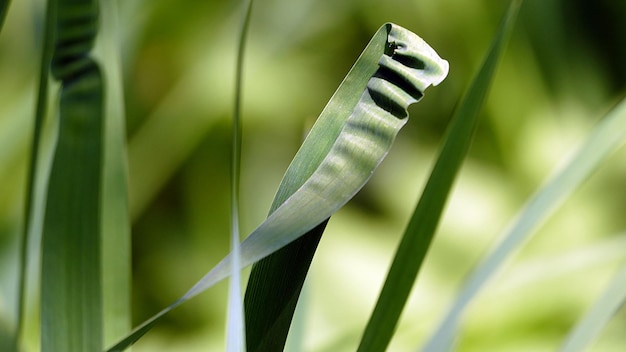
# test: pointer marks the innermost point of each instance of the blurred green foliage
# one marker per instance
(562, 71)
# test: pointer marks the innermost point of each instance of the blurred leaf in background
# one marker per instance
(562, 71)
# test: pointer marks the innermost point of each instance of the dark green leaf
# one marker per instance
(29, 203)
(603, 140)
(423, 224)
(71, 287)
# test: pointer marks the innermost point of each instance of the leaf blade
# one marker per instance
(116, 223)
(353, 152)
(71, 287)
(603, 139)
(596, 318)
(71, 254)
(423, 224)
(41, 109)
(235, 330)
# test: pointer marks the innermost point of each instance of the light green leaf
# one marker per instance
(236, 330)
(413, 68)
(33, 170)
(590, 326)
(116, 232)
(71, 280)
(347, 143)
(421, 229)
(603, 139)
(268, 324)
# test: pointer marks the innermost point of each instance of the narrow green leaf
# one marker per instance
(235, 330)
(421, 229)
(269, 323)
(590, 326)
(274, 289)
(267, 316)
(347, 143)
(29, 203)
(71, 286)
(116, 232)
(603, 139)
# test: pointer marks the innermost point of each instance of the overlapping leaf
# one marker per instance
(405, 68)
(347, 143)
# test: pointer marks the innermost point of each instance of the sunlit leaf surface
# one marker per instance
(344, 147)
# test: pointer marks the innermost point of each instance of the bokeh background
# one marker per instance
(564, 68)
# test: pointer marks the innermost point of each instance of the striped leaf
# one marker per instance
(71, 286)
(405, 69)
(352, 136)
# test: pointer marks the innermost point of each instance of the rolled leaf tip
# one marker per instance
(406, 47)
(407, 65)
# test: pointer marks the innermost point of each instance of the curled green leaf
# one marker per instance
(393, 71)
(350, 139)
(360, 147)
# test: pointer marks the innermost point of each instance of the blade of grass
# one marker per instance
(341, 152)
(273, 291)
(71, 281)
(421, 229)
(270, 322)
(235, 340)
(116, 238)
(29, 203)
(276, 281)
(590, 326)
(538, 270)
(603, 139)
(264, 320)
